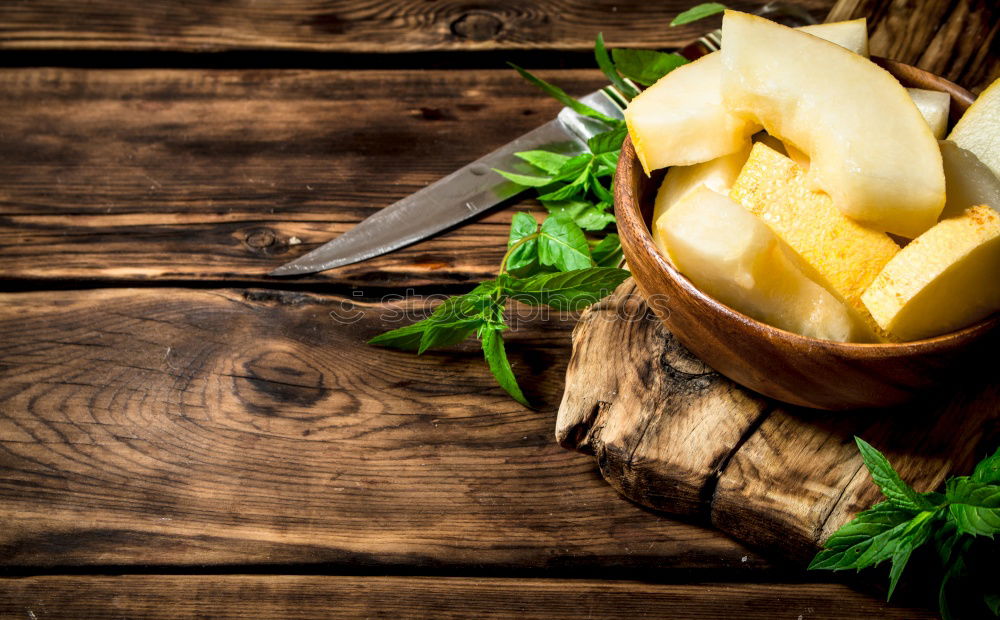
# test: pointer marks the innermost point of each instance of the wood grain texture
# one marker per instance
(173, 426)
(349, 25)
(685, 440)
(294, 597)
(211, 175)
(956, 39)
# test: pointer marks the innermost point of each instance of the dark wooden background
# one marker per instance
(180, 435)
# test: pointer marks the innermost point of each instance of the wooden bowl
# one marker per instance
(779, 364)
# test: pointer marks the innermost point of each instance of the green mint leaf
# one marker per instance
(974, 507)
(992, 602)
(608, 67)
(524, 179)
(568, 290)
(988, 469)
(603, 193)
(893, 487)
(440, 334)
(608, 141)
(496, 358)
(607, 163)
(593, 219)
(448, 316)
(700, 11)
(524, 259)
(953, 569)
(608, 252)
(573, 167)
(871, 537)
(917, 533)
(573, 188)
(561, 244)
(646, 66)
(546, 161)
(560, 95)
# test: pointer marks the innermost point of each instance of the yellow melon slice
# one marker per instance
(943, 280)
(978, 130)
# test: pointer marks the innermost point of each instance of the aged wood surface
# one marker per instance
(958, 40)
(296, 596)
(176, 426)
(671, 434)
(211, 175)
(349, 25)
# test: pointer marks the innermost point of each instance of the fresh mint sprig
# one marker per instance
(959, 522)
(555, 263)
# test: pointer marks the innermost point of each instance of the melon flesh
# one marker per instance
(731, 255)
(717, 175)
(681, 120)
(934, 106)
(978, 130)
(851, 34)
(969, 182)
(840, 254)
(943, 280)
(869, 147)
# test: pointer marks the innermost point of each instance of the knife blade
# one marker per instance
(462, 194)
(475, 187)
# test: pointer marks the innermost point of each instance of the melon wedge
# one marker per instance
(681, 120)
(978, 130)
(717, 175)
(968, 180)
(869, 147)
(731, 255)
(838, 253)
(934, 106)
(851, 34)
(943, 280)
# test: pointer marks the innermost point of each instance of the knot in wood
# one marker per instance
(260, 238)
(477, 26)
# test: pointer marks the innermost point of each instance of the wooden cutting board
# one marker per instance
(671, 434)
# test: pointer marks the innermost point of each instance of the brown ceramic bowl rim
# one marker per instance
(631, 219)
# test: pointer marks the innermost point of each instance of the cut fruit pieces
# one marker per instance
(933, 106)
(868, 145)
(837, 252)
(717, 175)
(731, 255)
(978, 130)
(943, 280)
(681, 120)
(851, 34)
(968, 180)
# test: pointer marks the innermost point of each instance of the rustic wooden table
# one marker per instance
(182, 436)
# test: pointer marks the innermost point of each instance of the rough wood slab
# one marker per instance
(292, 597)
(140, 175)
(956, 39)
(350, 25)
(671, 434)
(190, 427)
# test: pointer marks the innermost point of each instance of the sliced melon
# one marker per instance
(934, 106)
(717, 175)
(978, 130)
(851, 34)
(943, 280)
(968, 180)
(839, 253)
(681, 120)
(731, 255)
(869, 147)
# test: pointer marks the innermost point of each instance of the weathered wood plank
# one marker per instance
(210, 175)
(299, 597)
(957, 39)
(173, 426)
(349, 25)
(671, 434)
